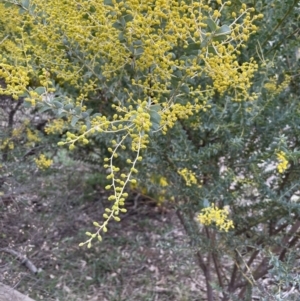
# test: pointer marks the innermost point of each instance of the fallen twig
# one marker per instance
(23, 259)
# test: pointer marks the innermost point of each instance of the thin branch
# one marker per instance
(203, 265)
(10, 124)
(208, 279)
(215, 258)
(252, 257)
(217, 267)
(210, 296)
(233, 277)
(291, 244)
(261, 270)
(13, 112)
(23, 259)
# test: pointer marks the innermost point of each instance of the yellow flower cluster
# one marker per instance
(18, 131)
(159, 180)
(228, 74)
(142, 35)
(42, 162)
(163, 182)
(16, 135)
(14, 69)
(176, 111)
(221, 62)
(56, 126)
(214, 215)
(32, 137)
(6, 144)
(273, 87)
(188, 176)
(283, 162)
(16, 80)
(160, 194)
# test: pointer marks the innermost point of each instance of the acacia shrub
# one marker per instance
(185, 102)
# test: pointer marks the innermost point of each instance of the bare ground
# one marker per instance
(144, 257)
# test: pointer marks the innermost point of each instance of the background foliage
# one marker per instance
(202, 96)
